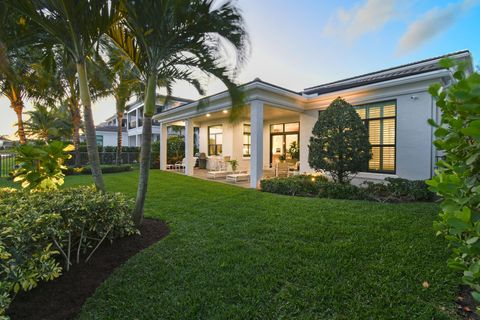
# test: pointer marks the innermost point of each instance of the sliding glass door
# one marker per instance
(282, 137)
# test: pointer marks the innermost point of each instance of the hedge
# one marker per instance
(42, 231)
(394, 190)
(105, 169)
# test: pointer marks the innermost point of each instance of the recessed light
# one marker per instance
(225, 111)
(208, 114)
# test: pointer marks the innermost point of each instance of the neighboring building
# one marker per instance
(5, 143)
(132, 124)
(394, 103)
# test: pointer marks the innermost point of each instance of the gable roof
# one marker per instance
(410, 69)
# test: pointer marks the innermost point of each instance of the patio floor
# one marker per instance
(202, 174)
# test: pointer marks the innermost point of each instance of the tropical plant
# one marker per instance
(48, 123)
(176, 40)
(19, 49)
(41, 167)
(77, 26)
(40, 229)
(457, 178)
(339, 143)
(175, 149)
(234, 164)
(294, 151)
(124, 83)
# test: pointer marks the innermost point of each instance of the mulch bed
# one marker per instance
(466, 304)
(63, 298)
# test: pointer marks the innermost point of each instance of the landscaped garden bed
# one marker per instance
(63, 298)
(391, 190)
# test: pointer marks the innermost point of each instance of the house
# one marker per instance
(132, 124)
(394, 103)
(5, 143)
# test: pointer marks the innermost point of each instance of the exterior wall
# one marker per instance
(415, 154)
(414, 136)
(233, 139)
(110, 138)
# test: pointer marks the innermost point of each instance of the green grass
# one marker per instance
(235, 253)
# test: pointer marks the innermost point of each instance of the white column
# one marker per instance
(163, 146)
(189, 163)
(307, 122)
(256, 158)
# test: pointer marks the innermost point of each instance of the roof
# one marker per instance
(109, 129)
(414, 68)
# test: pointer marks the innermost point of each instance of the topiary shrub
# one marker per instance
(457, 178)
(41, 228)
(340, 142)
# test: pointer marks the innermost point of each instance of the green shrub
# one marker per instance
(40, 167)
(335, 190)
(457, 178)
(398, 190)
(70, 171)
(299, 185)
(395, 190)
(339, 143)
(38, 227)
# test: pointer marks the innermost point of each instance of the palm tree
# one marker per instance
(18, 50)
(77, 25)
(48, 123)
(171, 40)
(124, 81)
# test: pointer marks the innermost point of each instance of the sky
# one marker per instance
(303, 43)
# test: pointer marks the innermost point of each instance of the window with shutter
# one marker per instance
(380, 120)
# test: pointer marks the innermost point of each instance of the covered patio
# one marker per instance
(259, 138)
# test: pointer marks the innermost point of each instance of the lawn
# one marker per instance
(235, 253)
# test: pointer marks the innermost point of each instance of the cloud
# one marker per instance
(432, 24)
(368, 17)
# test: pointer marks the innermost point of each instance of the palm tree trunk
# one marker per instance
(119, 135)
(146, 149)
(76, 120)
(90, 134)
(17, 106)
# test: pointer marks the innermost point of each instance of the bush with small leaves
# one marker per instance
(41, 228)
(457, 179)
(299, 185)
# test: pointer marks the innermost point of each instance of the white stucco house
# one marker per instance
(394, 103)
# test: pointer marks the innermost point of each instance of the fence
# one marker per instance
(7, 164)
(107, 158)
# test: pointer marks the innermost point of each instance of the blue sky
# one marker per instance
(302, 43)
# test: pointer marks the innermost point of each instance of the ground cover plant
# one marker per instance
(241, 254)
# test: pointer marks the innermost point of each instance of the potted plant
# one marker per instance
(234, 164)
(282, 158)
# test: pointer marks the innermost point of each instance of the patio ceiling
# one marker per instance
(270, 113)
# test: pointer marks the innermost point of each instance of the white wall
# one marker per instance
(414, 136)
(414, 152)
(110, 138)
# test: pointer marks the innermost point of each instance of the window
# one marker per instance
(283, 136)
(247, 140)
(285, 127)
(380, 119)
(215, 137)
